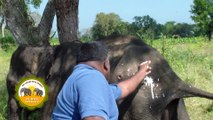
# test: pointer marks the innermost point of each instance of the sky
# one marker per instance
(160, 10)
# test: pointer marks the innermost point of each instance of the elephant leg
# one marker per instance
(181, 109)
(14, 109)
(175, 110)
(25, 114)
(170, 112)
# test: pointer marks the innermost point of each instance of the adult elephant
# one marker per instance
(159, 97)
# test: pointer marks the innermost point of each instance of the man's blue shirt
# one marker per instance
(87, 93)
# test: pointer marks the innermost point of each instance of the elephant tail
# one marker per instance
(185, 90)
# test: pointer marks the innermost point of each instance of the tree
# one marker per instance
(169, 28)
(144, 22)
(172, 28)
(122, 28)
(184, 30)
(108, 24)
(23, 29)
(67, 19)
(145, 26)
(202, 14)
(21, 26)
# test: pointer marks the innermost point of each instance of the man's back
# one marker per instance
(87, 93)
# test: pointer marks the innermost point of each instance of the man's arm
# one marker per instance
(130, 85)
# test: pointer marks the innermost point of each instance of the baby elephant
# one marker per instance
(38, 92)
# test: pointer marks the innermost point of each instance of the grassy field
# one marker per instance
(4, 68)
(191, 59)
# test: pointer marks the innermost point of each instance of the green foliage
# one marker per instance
(144, 22)
(85, 38)
(6, 32)
(122, 28)
(173, 29)
(7, 42)
(202, 14)
(54, 41)
(145, 27)
(35, 3)
(184, 30)
(107, 24)
(165, 45)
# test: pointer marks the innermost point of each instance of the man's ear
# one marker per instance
(106, 65)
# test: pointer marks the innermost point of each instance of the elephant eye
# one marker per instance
(119, 77)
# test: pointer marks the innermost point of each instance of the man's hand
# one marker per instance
(144, 68)
(130, 85)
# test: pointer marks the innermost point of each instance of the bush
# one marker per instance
(7, 42)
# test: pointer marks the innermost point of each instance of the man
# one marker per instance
(86, 94)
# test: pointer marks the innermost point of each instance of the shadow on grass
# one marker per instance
(209, 108)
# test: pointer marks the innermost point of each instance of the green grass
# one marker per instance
(5, 57)
(54, 41)
(190, 58)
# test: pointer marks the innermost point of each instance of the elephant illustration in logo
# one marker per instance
(38, 92)
(26, 91)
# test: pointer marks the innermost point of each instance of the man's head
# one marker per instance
(94, 52)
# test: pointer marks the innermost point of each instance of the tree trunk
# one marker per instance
(44, 28)
(2, 27)
(67, 19)
(17, 20)
(2, 30)
(210, 34)
(22, 28)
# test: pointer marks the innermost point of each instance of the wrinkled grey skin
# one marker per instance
(53, 64)
(26, 61)
(126, 53)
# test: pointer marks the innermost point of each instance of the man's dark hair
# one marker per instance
(92, 51)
